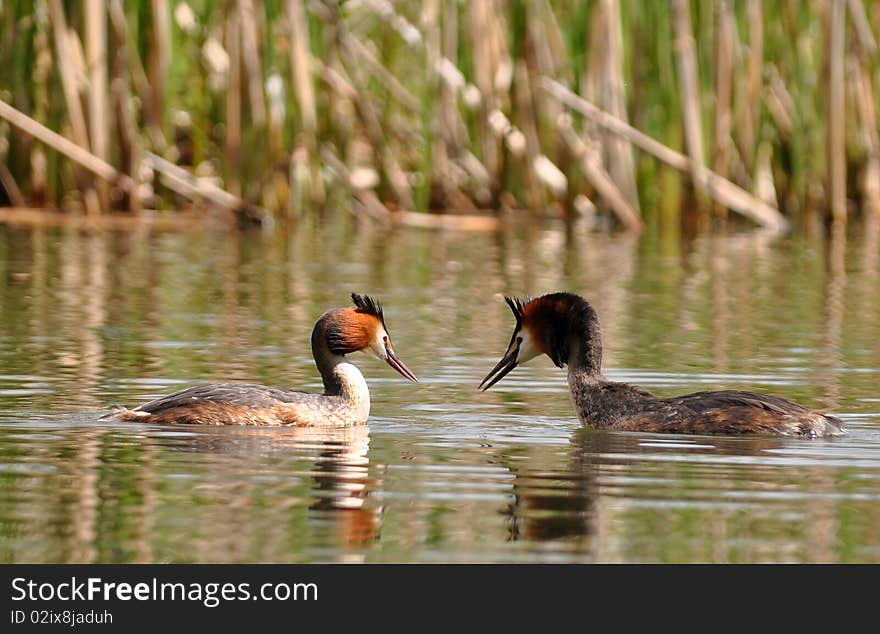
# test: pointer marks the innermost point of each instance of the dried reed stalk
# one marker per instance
(763, 185)
(435, 167)
(130, 142)
(40, 74)
(371, 203)
(717, 187)
(485, 70)
(394, 87)
(534, 195)
(724, 55)
(601, 181)
(99, 119)
(250, 49)
(130, 145)
(65, 146)
(452, 127)
(67, 75)
(195, 188)
(780, 103)
(181, 221)
(621, 165)
(836, 114)
(457, 222)
(152, 117)
(863, 28)
(750, 102)
(232, 140)
(301, 67)
(7, 180)
(160, 55)
(867, 111)
(686, 59)
(373, 129)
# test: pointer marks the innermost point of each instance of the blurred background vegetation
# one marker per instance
(634, 114)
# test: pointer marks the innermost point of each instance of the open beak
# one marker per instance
(507, 363)
(394, 361)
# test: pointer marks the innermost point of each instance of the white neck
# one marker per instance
(353, 387)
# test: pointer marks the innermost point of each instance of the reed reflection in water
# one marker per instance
(89, 320)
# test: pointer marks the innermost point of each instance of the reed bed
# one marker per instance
(276, 109)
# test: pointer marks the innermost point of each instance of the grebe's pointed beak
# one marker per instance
(394, 361)
(507, 363)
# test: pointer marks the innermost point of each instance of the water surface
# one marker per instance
(442, 473)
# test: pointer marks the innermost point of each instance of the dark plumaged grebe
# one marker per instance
(345, 401)
(566, 328)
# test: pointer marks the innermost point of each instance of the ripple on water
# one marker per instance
(443, 472)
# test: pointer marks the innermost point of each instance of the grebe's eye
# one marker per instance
(385, 339)
(519, 340)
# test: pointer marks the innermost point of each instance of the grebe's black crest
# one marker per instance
(517, 305)
(368, 305)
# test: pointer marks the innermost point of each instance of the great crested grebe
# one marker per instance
(345, 401)
(566, 328)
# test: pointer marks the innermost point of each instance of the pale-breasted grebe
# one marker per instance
(345, 401)
(566, 328)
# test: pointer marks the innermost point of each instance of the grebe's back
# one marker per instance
(245, 404)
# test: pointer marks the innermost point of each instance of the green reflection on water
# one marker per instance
(442, 473)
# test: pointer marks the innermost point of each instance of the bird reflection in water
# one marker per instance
(553, 503)
(343, 484)
(331, 476)
(577, 502)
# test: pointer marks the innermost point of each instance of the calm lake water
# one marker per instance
(442, 472)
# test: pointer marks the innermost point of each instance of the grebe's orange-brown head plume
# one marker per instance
(553, 325)
(361, 328)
